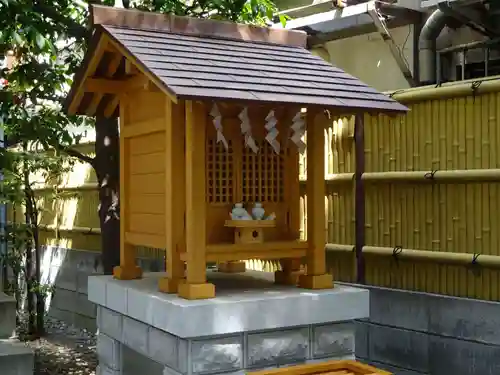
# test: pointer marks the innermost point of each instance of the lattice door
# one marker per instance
(263, 174)
(220, 175)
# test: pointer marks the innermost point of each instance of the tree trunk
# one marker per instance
(28, 270)
(40, 292)
(107, 167)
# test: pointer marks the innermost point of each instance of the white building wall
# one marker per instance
(368, 57)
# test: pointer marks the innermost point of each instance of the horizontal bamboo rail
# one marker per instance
(338, 248)
(449, 258)
(329, 179)
(84, 186)
(490, 261)
(448, 90)
(84, 230)
(334, 178)
(441, 176)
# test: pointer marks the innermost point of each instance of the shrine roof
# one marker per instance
(205, 59)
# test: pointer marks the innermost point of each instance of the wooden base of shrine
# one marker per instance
(232, 267)
(316, 281)
(196, 291)
(127, 272)
(166, 285)
(287, 278)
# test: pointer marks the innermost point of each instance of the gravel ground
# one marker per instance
(65, 350)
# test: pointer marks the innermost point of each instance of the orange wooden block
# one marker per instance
(127, 272)
(196, 291)
(316, 281)
(342, 367)
(167, 285)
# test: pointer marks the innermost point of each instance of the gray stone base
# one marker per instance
(250, 325)
(68, 272)
(412, 333)
(7, 316)
(15, 358)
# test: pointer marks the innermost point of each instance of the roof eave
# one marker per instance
(81, 74)
(392, 109)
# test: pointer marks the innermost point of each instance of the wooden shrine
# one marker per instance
(197, 101)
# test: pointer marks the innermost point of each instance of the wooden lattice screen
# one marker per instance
(220, 177)
(262, 174)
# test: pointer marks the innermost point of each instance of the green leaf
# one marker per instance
(40, 40)
(17, 38)
(283, 20)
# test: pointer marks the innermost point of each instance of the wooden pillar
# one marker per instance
(196, 286)
(175, 196)
(316, 277)
(290, 268)
(127, 269)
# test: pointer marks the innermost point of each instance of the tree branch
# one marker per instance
(77, 154)
(75, 30)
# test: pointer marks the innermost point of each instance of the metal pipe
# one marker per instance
(433, 26)
(469, 46)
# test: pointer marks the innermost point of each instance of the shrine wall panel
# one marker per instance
(144, 134)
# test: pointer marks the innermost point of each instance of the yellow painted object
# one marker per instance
(178, 185)
(343, 367)
(249, 231)
(154, 189)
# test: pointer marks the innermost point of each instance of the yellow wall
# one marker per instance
(145, 165)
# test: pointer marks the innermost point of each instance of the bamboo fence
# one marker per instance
(426, 217)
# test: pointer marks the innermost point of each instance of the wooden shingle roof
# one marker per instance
(204, 64)
(199, 67)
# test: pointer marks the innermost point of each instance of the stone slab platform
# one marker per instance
(251, 324)
(245, 302)
(15, 358)
(7, 316)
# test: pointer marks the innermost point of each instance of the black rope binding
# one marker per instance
(474, 87)
(396, 251)
(474, 265)
(474, 259)
(430, 175)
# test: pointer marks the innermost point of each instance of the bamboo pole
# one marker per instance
(63, 188)
(334, 178)
(447, 90)
(84, 230)
(491, 261)
(440, 176)
(339, 248)
(360, 198)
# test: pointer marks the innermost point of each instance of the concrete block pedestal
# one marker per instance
(15, 357)
(252, 324)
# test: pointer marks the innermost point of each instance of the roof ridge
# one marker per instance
(201, 36)
(119, 17)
